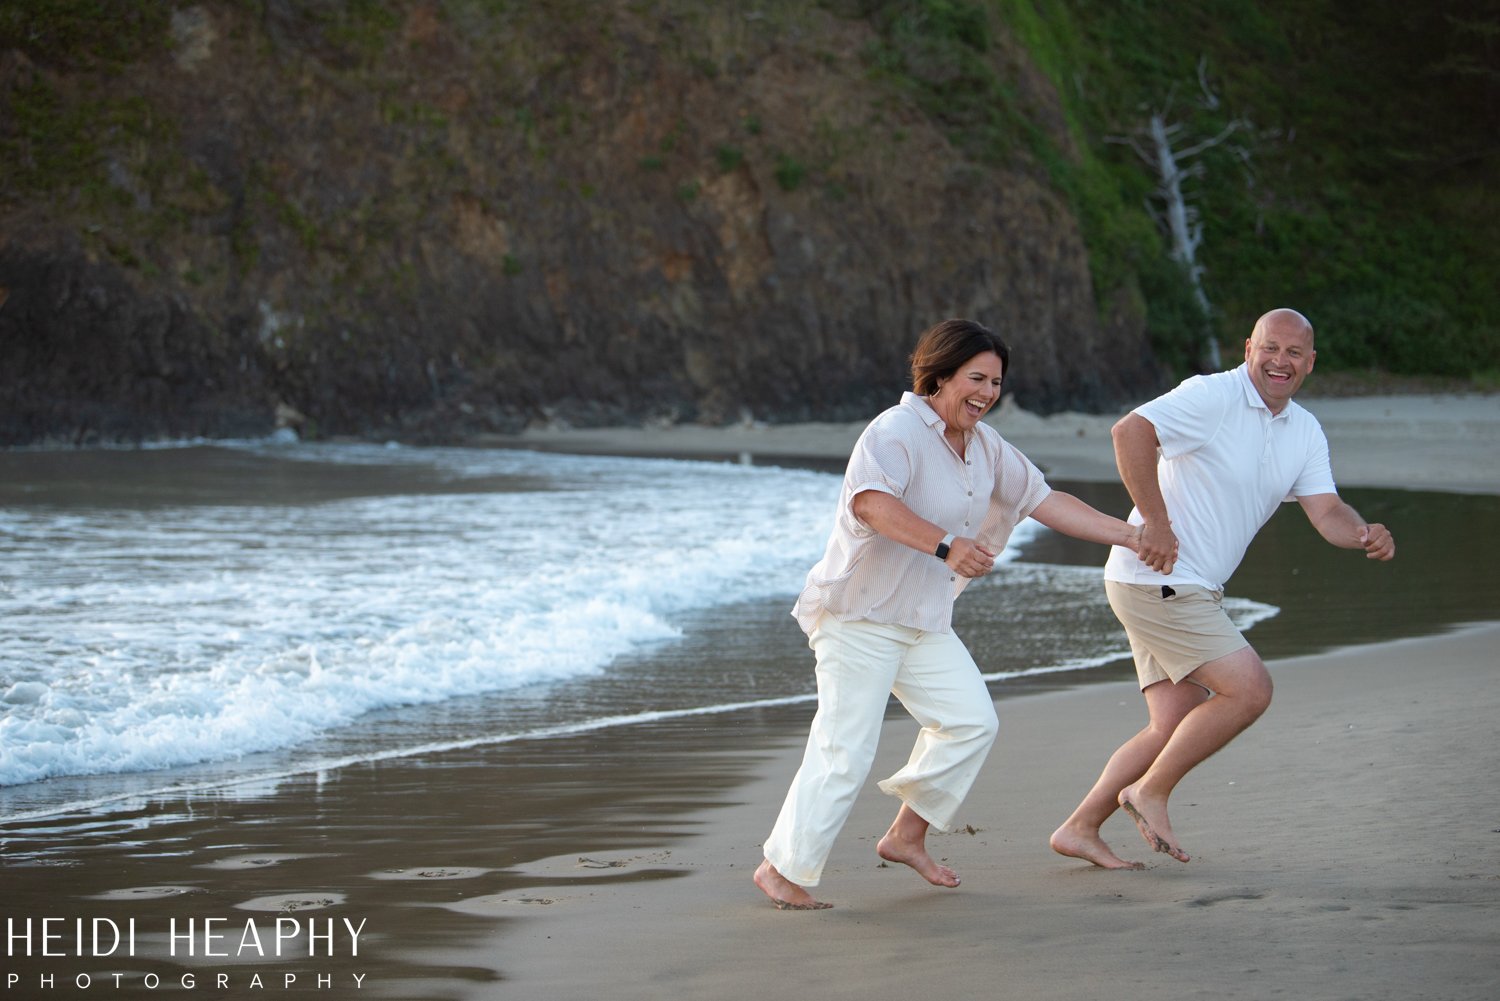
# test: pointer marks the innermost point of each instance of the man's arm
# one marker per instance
(1135, 455)
(1341, 525)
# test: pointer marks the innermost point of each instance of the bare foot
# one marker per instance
(1089, 847)
(786, 895)
(1151, 818)
(893, 849)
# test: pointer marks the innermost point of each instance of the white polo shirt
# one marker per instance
(1226, 462)
(864, 575)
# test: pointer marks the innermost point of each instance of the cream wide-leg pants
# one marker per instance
(860, 664)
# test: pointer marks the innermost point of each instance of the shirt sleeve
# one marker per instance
(1317, 472)
(1019, 488)
(881, 460)
(1019, 484)
(1186, 418)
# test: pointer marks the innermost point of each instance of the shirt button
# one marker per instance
(971, 493)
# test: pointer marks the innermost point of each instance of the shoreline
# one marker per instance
(1305, 882)
(1426, 442)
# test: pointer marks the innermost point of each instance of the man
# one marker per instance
(1206, 465)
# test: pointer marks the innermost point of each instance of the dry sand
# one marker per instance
(1447, 442)
(1347, 846)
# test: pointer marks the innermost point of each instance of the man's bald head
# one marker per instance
(1279, 354)
(1283, 321)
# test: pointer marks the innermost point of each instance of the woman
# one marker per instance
(929, 499)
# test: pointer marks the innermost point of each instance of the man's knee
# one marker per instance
(1254, 683)
(1258, 695)
(1241, 676)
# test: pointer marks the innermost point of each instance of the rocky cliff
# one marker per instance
(430, 218)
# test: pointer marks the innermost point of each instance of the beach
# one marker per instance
(1347, 846)
(1344, 847)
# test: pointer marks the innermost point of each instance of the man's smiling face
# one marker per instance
(1279, 354)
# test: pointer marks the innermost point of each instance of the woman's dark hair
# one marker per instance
(942, 348)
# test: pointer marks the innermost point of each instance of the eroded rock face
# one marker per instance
(450, 230)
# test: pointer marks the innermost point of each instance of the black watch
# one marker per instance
(941, 552)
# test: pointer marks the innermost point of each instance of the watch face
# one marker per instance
(942, 551)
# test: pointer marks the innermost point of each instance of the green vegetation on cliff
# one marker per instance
(1362, 186)
(438, 213)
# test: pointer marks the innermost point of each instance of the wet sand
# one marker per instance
(1344, 847)
(1348, 846)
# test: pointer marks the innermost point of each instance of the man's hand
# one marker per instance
(1378, 542)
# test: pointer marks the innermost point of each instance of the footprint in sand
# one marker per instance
(593, 863)
(488, 905)
(1221, 897)
(433, 872)
(287, 903)
(254, 861)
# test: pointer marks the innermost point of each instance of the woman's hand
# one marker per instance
(968, 558)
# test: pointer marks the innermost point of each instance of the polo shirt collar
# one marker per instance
(1253, 397)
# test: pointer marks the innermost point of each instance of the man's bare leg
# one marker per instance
(1078, 837)
(906, 842)
(786, 895)
(1242, 691)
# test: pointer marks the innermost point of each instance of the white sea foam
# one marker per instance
(140, 638)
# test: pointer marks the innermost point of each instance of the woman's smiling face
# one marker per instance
(970, 392)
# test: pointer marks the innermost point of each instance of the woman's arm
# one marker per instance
(1067, 514)
(891, 518)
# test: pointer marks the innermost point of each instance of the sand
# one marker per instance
(1344, 847)
(1347, 846)
(1433, 442)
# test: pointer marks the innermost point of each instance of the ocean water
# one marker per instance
(208, 616)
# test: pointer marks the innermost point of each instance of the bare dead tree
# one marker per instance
(1159, 144)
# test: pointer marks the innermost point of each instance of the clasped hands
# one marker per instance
(1156, 545)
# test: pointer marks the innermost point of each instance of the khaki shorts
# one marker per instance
(1171, 637)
